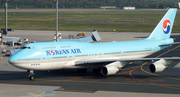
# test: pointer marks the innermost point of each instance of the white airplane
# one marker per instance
(107, 57)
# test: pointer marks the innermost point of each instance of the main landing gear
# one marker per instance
(81, 70)
(97, 70)
(31, 75)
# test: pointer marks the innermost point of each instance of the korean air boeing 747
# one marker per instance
(108, 57)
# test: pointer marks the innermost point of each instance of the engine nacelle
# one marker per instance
(109, 70)
(112, 68)
(159, 66)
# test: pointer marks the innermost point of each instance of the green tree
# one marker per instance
(92, 3)
(155, 5)
(162, 5)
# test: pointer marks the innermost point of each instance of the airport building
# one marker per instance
(108, 7)
(127, 8)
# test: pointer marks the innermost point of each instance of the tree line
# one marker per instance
(91, 3)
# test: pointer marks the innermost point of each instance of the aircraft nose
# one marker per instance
(14, 62)
(12, 59)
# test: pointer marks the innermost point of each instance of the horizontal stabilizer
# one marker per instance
(169, 44)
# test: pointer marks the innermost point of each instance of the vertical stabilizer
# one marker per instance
(164, 27)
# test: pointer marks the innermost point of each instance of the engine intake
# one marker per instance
(112, 68)
(159, 66)
(109, 70)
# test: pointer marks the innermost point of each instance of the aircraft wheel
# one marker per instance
(31, 77)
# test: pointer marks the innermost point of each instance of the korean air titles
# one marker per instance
(63, 51)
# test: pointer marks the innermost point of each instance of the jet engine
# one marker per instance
(109, 70)
(112, 68)
(159, 66)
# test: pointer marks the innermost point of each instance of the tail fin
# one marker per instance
(164, 27)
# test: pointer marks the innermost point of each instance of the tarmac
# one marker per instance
(135, 80)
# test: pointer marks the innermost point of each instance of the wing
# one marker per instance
(112, 66)
(95, 37)
(81, 62)
(12, 52)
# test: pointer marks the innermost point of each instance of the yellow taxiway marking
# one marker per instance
(154, 73)
(39, 94)
(157, 57)
(168, 51)
(130, 68)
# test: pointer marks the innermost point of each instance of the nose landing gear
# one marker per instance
(31, 75)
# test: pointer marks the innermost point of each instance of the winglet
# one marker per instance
(12, 52)
(95, 36)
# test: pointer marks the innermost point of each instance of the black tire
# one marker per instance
(31, 78)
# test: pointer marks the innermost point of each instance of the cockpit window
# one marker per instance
(26, 47)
